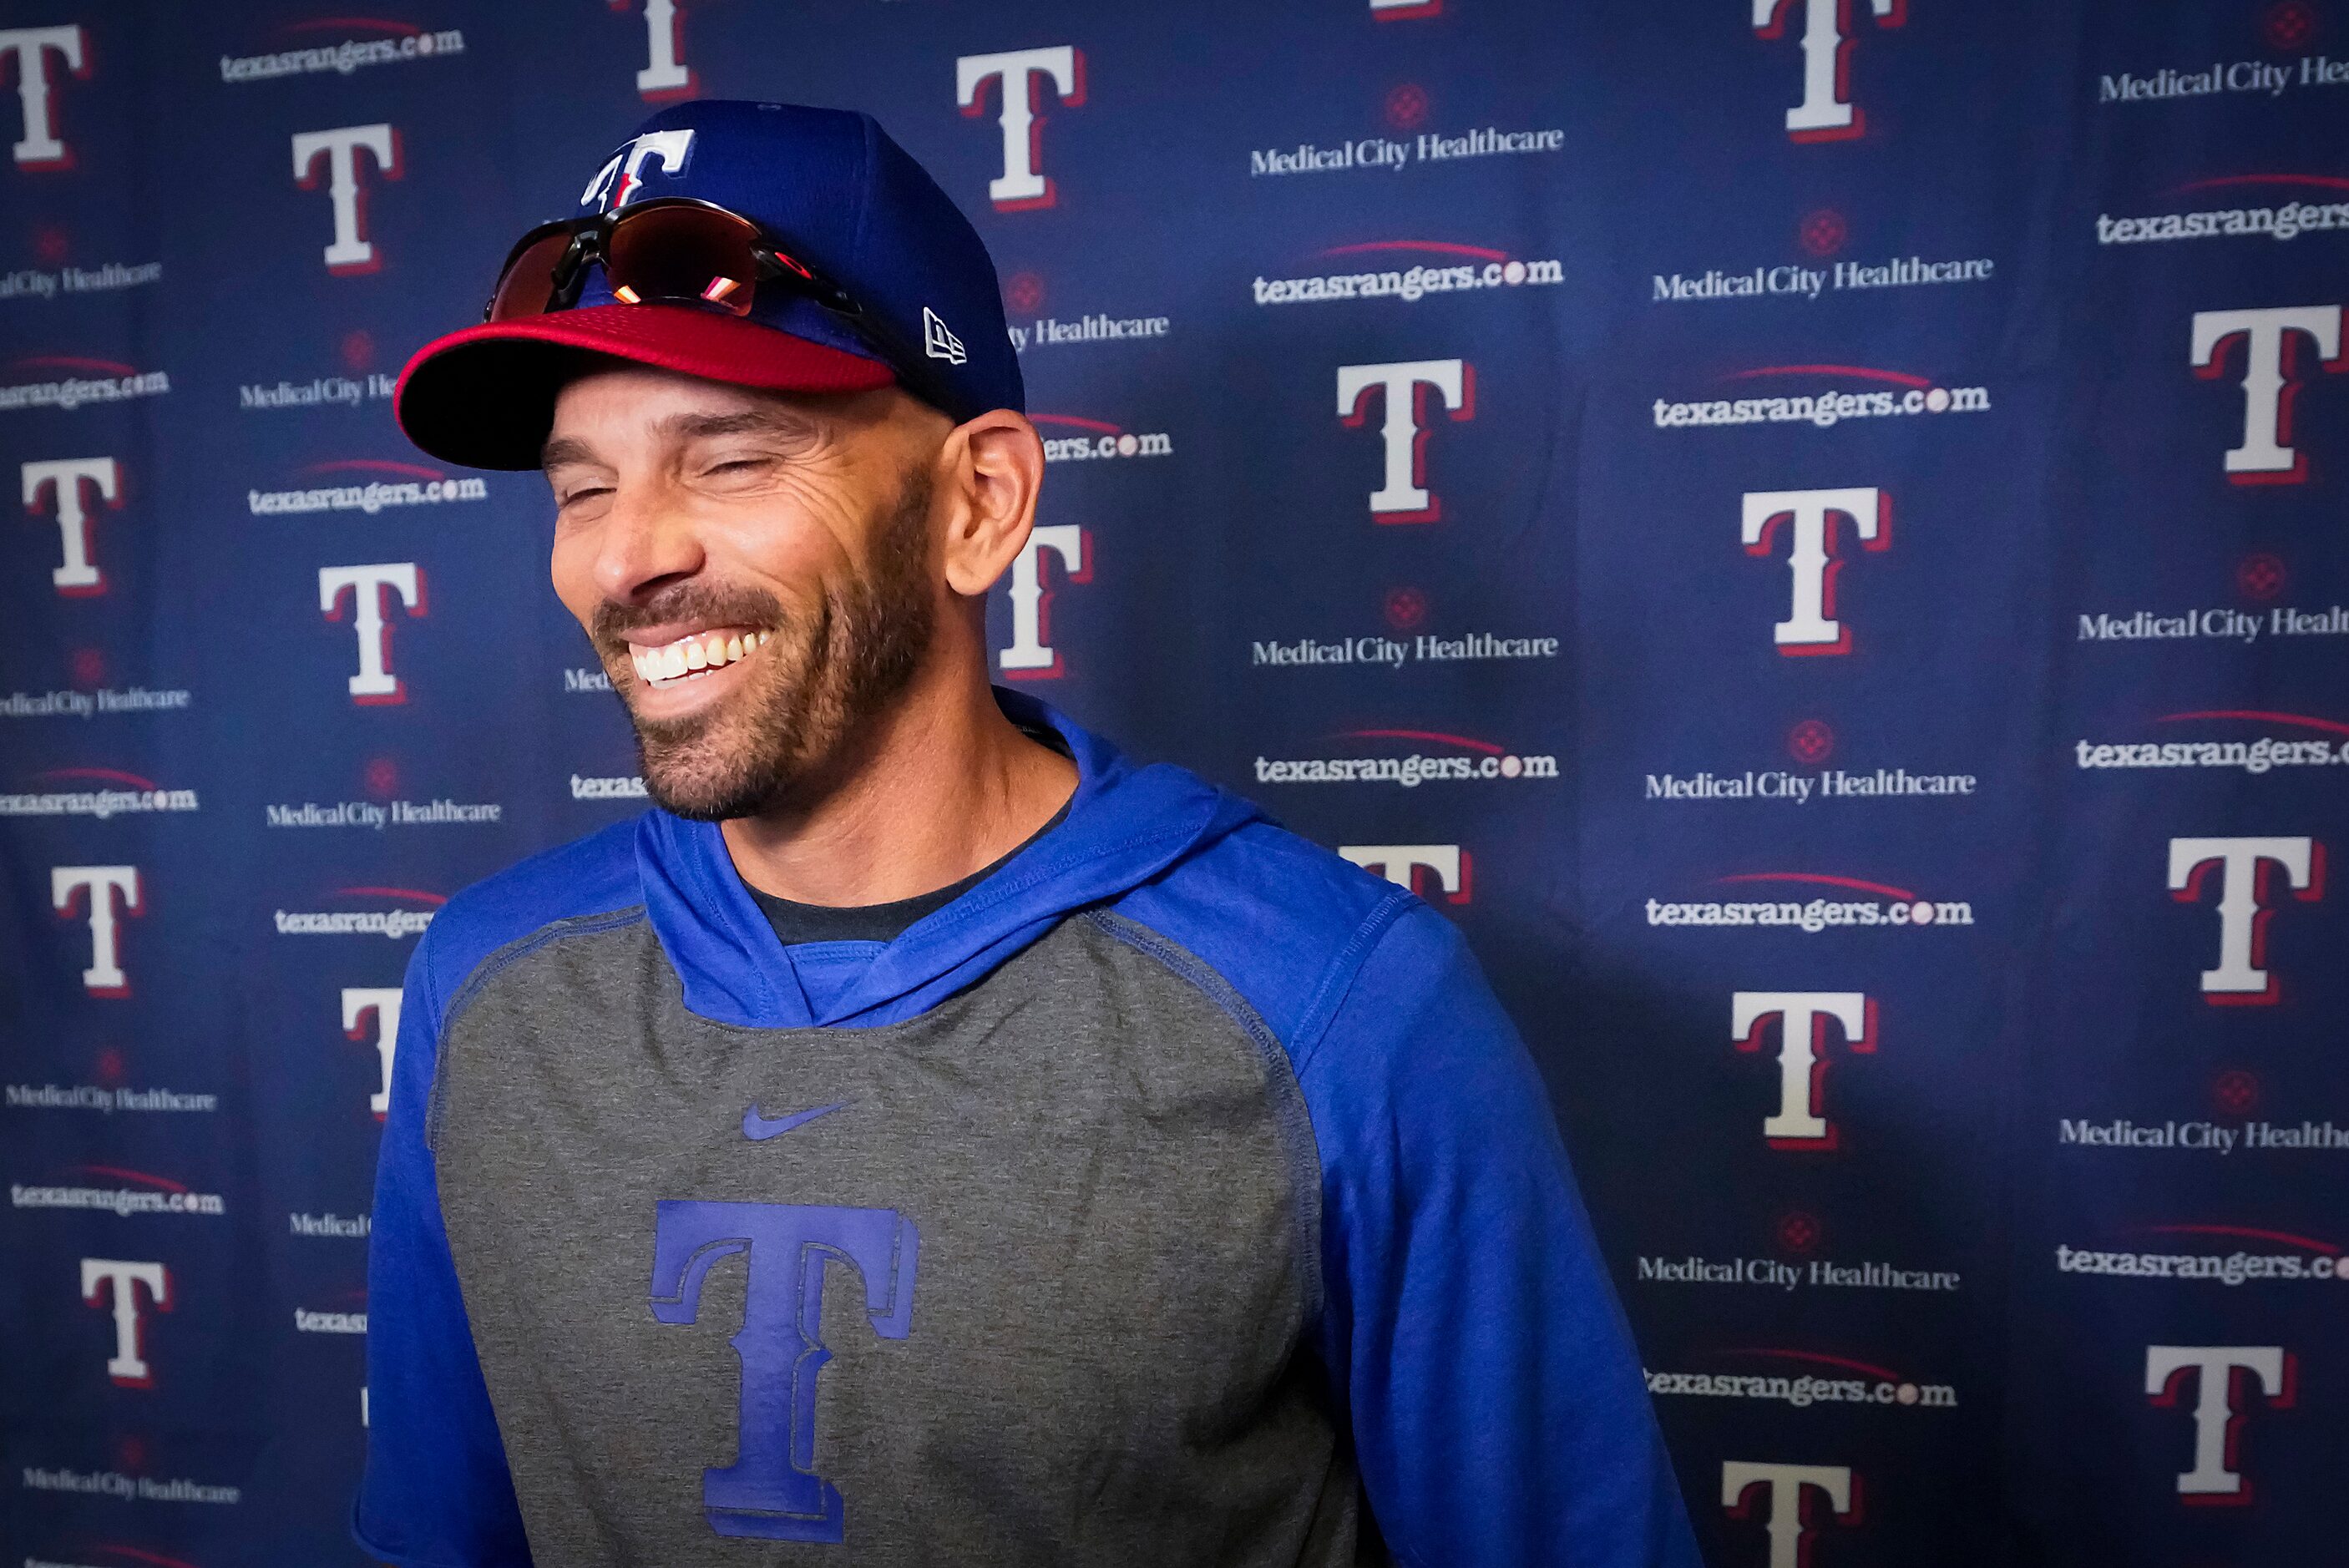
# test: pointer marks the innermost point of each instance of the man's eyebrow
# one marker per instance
(563, 449)
(741, 422)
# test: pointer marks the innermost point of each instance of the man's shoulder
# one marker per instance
(1281, 920)
(591, 875)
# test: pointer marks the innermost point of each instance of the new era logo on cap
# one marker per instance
(938, 342)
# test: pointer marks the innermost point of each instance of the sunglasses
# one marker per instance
(673, 249)
(679, 250)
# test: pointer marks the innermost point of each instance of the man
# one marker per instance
(926, 1139)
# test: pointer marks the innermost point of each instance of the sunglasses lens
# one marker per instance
(683, 253)
(529, 283)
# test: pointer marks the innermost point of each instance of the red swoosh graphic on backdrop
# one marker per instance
(2335, 725)
(112, 366)
(1485, 745)
(1885, 1373)
(1103, 425)
(414, 892)
(2330, 181)
(164, 1182)
(132, 1552)
(1866, 373)
(1888, 890)
(2327, 1248)
(373, 464)
(1443, 246)
(114, 773)
(317, 24)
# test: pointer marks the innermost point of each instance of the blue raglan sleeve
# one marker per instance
(436, 1492)
(1496, 1403)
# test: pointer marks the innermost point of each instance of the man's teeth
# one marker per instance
(694, 656)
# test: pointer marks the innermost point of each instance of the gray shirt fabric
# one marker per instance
(1051, 1253)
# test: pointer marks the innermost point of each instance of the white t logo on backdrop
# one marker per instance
(665, 74)
(375, 683)
(2265, 455)
(1031, 654)
(352, 250)
(1402, 863)
(1826, 112)
(64, 477)
(1022, 184)
(1782, 1489)
(1800, 1121)
(2218, 1406)
(1402, 495)
(361, 1003)
(102, 884)
(102, 1276)
(40, 147)
(2243, 902)
(1811, 627)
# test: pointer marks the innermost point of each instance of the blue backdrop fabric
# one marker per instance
(1812, 530)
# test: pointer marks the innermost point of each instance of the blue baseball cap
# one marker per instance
(835, 191)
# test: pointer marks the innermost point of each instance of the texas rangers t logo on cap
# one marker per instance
(670, 146)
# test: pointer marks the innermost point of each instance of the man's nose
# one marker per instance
(645, 544)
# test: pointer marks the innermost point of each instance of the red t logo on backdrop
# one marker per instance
(1020, 73)
(101, 884)
(1800, 1120)
(2243, 898)
(1826, 112)
(1402, 495)
(1811, 627)
(366, 585)
(1785, 1493)
(2270, 385)
(62, 478)
(1031, 655)
(40, 147)
(2222, 1403)
(102, 1276)
(352, 250)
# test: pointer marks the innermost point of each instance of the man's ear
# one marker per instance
(994, 466)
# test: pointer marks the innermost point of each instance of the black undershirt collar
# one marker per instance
(797, 923)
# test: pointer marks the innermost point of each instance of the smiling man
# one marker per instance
(925, 1136)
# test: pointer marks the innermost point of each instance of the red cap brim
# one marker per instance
(484, 397)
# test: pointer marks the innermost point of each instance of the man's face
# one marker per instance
(755, 568)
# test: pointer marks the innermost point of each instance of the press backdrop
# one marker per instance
(1814, 533)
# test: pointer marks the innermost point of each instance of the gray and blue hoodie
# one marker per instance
(1178, 1195)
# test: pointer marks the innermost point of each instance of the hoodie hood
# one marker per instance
(1125, 826)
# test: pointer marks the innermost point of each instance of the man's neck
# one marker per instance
(944, 786)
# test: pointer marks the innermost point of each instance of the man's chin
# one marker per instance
(707, 794)
(707, 769)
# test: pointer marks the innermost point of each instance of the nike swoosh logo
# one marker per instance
(759, 1127)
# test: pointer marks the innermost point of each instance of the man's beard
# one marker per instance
(814, 684)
